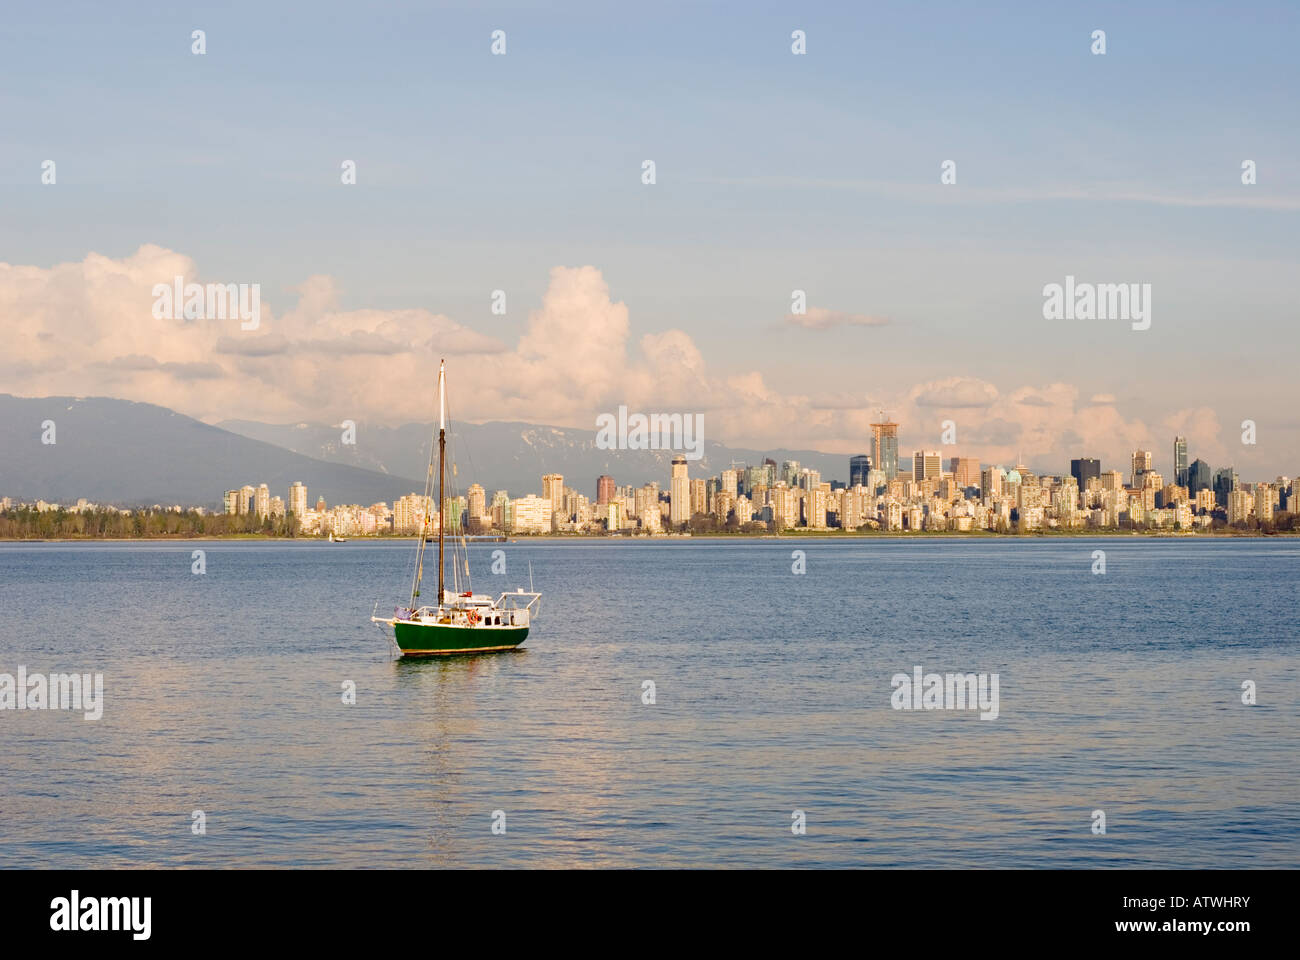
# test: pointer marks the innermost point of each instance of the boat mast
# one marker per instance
(442, 464)
(422, 531)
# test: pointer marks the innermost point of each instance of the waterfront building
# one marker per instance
(477, 508)
(699, 496)
(553, 490)
(1264, 502)
(679, 496)
(532, 514)
(1239, 505)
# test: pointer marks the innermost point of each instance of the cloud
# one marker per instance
(1200, 425)
(576, 357)
(819, 318)
(956, 393)
(1033, 400)
(993, 433)
(135, 362)
(312, 360)
(841, 401)
(1106, 398)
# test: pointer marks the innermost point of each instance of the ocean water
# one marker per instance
(1119, 692)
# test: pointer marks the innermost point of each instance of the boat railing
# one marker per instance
(515, 600)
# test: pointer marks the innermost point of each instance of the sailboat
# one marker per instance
(460, 622)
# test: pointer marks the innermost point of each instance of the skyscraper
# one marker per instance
(1141, 464)
(884, 447)
(476, 498)
(966, 472)
(298, 499)
(1083, 468)
(604, 489)
(1225, 483)
(1199, 476)
(699, 496)
(859, 467)
(1180, 461)
(553, 490)
(679, 496)
(927, 465)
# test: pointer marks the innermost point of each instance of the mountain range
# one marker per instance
(513, 456)
(138, 454)
(131, 454)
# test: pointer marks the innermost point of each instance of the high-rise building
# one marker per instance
(679, 497)
(859, 467)
(1180, 461)
(263, 501)
(1199, 476)
(991, 483)
(477, 507)
(927, 465)
(1225, 483)
(699, 496)
(604, 489)
(730, 479)
(1239, 506)
(553, 490)
(298, 499)
(1083, 468)
(966, 472)
(884, 447)
(1141, 464)
(531, 514)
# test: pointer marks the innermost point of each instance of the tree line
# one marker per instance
(27, 523)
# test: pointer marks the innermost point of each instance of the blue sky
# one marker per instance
(775, 172)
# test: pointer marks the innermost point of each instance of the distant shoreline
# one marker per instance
(723, 537)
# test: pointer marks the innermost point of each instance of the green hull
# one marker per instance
(431, 639)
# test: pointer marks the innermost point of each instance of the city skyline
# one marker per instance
(920, 466)
(963, 496)
(966, 496)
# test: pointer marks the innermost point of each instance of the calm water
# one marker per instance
(1119, 692)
